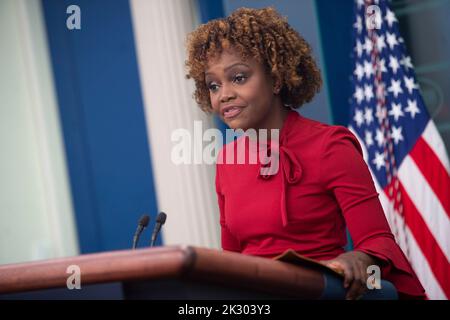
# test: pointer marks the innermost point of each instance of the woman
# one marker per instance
(252, 69)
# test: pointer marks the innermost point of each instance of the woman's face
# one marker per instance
(240, 90)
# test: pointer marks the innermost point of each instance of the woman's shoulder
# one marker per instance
(328, 134)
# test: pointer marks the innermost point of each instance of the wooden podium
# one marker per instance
(172, 272)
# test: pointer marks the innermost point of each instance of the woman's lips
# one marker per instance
(232, 112)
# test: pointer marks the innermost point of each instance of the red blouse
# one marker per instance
(322, 186)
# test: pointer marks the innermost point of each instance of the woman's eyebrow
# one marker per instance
(231, 66)
(237, 64)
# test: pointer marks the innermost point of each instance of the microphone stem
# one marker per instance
(136, 236)
(155, 234)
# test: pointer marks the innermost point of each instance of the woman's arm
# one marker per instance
(347, 177)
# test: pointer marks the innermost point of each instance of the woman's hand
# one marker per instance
(353, 265)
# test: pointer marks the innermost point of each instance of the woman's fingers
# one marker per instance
(364, 277)
(361, 279)
(354, 286)
(354, 276)
(348, 274)
(358, 285)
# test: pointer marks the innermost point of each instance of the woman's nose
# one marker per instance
(227, 93)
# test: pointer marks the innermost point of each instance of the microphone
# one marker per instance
(160, 220)
(143, 223)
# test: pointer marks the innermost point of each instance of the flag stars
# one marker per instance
(396, 134)
(359, 48)
(379, 137)
(391, 39)
(381, 44)
(359, 117)
(396, 111)
(359, 94)
(385, 95)
(368, 138)
(360, 3)
(390, 17)
(412, 108)
(368, 46)
(359, 71)
(368, 115)
(393, 64)
(379, 160)
(368, 92)
(406, 62)
(382, 65)
(368, 69)
(358, 24)
(410, 84)
(395, 87)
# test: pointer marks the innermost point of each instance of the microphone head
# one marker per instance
(161, 218)
(144, 220)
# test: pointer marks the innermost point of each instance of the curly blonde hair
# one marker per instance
(262, 34)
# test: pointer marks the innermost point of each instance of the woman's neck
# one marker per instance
(274, 119)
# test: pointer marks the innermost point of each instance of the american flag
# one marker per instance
(402, 147)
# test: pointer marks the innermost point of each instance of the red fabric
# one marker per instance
(322, 186)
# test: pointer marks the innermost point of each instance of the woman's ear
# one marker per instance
(276, 85)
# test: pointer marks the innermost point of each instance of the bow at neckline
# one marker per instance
(291, 170)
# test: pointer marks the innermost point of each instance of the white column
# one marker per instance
(185, 192)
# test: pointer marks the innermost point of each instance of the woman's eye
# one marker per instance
(240, 78)
(213, 87)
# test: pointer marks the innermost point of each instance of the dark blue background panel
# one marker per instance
(210, 9)
(102, 115)
(335, 24)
